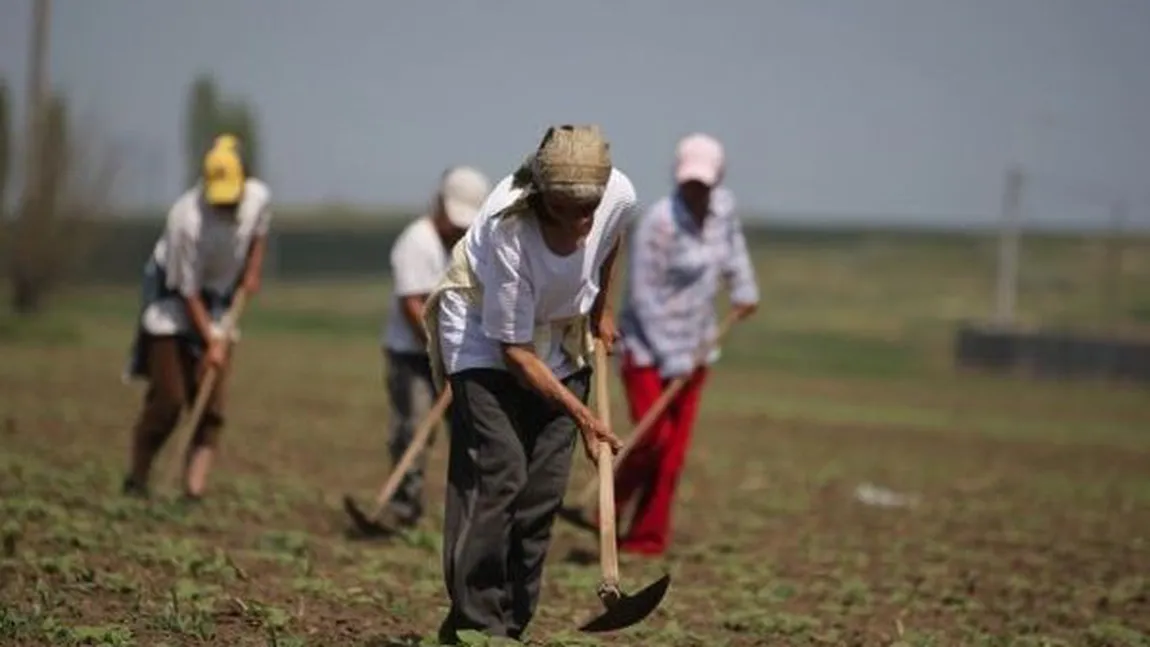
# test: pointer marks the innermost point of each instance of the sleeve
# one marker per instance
(263, 220)
(621, 221)
(413, 270)
(508, 310)
(183, 258)
(627, 216)
(737, 266)
(263, 195)
(651, 248)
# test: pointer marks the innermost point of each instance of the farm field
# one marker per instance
(1030, 522)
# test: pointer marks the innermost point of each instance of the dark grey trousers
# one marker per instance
(507, 473)
(411, 392)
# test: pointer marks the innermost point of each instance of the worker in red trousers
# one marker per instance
(680, 251)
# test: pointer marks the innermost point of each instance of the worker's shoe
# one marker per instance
(132, 487)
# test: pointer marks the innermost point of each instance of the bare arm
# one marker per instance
(522, 361)
(254, 265)
(198, 313)
(606, 280)
(257, 248)
(412, 308)
(736, 264)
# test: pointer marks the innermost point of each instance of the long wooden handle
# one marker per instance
(668, 395)
(232, 317)
(608, 556)
(207, 384)
(413, 448)
(587, 494)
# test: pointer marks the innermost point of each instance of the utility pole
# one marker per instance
(37, 73)
(1006, 285)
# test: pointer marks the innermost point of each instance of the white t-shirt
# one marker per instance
(524, 283)
(203, 251)
(418, 262)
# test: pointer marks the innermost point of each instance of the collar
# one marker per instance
(683, 216)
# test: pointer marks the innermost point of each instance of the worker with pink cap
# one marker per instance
(681, 249)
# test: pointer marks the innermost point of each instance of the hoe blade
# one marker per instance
(364, 524)
(629, 609)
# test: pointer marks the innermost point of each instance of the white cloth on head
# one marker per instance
(524, 284)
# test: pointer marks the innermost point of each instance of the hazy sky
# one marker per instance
(851, 107)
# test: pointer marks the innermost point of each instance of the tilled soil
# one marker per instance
(1010, 540)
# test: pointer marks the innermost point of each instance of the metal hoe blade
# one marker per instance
(622, 610)
(369, 526)
(364, 524)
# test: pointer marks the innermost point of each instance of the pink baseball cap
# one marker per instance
(699, 157)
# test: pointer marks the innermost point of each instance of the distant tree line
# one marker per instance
(50, 229)
(66, 185)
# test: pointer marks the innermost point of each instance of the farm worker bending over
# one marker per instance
(418, 260)
(681, 247)
(213, 242)
(510, 327)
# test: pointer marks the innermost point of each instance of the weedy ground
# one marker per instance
(1031, 525)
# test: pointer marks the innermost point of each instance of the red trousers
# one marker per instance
(650, 471)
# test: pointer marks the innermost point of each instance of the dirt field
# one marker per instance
(1031, 524)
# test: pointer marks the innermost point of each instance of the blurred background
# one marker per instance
(839, 118)
(929, 188)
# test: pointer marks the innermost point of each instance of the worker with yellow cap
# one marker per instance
(227, 140)
(509, 329)
(212, 244)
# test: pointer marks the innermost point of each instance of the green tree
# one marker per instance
(53, 229)
(210, 114)
(236, 118)
(55, 156)
(201, 122)
(38, 255)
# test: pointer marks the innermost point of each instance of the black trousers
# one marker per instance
(507, 472)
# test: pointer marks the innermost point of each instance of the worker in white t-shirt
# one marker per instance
(213, 242)
(510, 328)
(418, 260)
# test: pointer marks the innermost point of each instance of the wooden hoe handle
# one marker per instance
(608, 557)
(207, 384)
(587, 494)
(413, 448)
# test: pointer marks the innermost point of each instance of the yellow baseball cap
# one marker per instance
(223, 174)
(227, 140)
